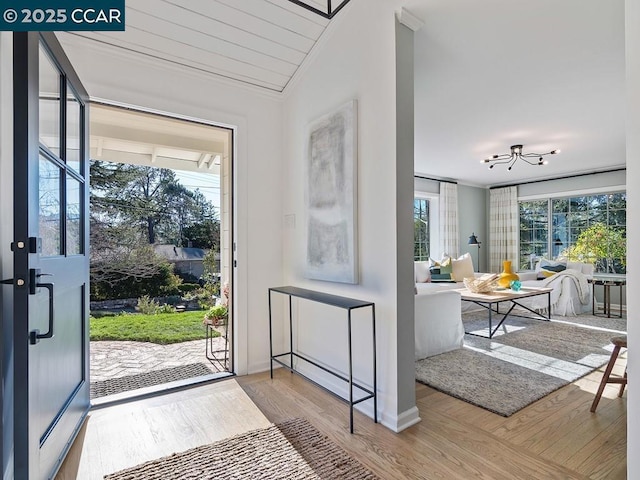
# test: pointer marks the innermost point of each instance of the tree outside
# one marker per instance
(603, 246)
(132, 208)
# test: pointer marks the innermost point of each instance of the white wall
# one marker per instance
(356, 60)
(632, 32)
(473, 218)
(153, 84)
(606, 181)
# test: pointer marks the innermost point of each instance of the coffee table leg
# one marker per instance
(490, 330)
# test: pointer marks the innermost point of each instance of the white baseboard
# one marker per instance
(403, 421)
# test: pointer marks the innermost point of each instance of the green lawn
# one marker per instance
(162, 328)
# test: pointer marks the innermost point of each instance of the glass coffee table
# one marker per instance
(491, 302)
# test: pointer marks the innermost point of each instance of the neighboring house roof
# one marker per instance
(180, 254)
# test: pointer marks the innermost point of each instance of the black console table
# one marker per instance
(348, 304)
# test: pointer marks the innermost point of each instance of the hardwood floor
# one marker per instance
(126, 435)
(556, 437)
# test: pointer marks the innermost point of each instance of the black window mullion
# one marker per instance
(63, 156)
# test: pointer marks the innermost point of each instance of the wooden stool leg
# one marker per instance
(624, 384)
(605, 377)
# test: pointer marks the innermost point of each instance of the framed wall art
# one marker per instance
(331, 196)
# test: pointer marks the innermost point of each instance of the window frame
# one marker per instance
(550, 197)
(434, 220)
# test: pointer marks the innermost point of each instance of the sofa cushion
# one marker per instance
(422, 272)
(462, 267)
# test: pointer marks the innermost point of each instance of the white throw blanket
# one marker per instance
(579, 280)
(563, 284)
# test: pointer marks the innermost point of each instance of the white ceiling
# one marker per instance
(548, 74)
(256, 42)
(127, 136)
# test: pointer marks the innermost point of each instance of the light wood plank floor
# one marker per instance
(556, 437)
(126, 435)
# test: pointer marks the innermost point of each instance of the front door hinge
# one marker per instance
(34, 245)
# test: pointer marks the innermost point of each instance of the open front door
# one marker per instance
(51, 264)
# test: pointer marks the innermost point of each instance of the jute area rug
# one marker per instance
(292, 450)
(525, 360)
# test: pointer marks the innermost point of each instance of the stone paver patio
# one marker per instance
(110, 359)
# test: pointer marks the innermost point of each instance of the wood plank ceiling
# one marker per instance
(256, 42)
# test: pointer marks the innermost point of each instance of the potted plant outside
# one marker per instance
(216, 316)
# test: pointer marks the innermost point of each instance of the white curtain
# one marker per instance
(449, 219)
(503, 228)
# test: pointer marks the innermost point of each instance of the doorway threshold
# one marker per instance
(157, 390)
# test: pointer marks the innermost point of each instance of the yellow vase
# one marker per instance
(507, 276)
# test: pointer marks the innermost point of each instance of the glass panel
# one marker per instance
(74, 213)
(74, 121)
(534, 218)
(50, 220)
(49, 104)
(421, 229)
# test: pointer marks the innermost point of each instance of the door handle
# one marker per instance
(35, 335)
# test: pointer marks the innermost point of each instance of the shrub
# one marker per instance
(205, 296)
(188, 287)
(187, 277)
(160, 284)
(149, 306)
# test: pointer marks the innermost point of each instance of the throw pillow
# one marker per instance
(422, 272)
(550, 267)
(446, 266)
(462, 267)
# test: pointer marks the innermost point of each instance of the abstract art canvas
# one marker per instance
(331, 192)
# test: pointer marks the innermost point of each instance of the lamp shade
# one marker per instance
(473, 240)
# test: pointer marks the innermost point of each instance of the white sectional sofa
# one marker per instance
(438, 322)
(438, 309)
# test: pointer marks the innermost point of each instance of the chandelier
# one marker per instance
(515, 155)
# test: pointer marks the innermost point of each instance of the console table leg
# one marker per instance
(350, 376)
(270, 340)
(375, 371)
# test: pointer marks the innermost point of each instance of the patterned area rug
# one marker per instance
(525, 361)
(112, 386)
(292, 450)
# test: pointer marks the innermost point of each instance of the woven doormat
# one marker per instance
(112, 386)
(293, 450)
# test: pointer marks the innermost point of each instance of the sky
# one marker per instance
(208, 184)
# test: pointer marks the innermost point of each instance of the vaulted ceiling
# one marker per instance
(254, 42)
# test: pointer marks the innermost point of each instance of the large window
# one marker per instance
(589, 228)
(420, 229)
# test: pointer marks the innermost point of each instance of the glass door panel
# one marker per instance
(50, 211)
(74, 217)
(73, 133)
(49, 104)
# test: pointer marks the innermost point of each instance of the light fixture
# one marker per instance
(515, 155)
(328, 9)
(473, 240)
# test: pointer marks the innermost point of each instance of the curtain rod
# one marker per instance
(435, 179)
(559, 178)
